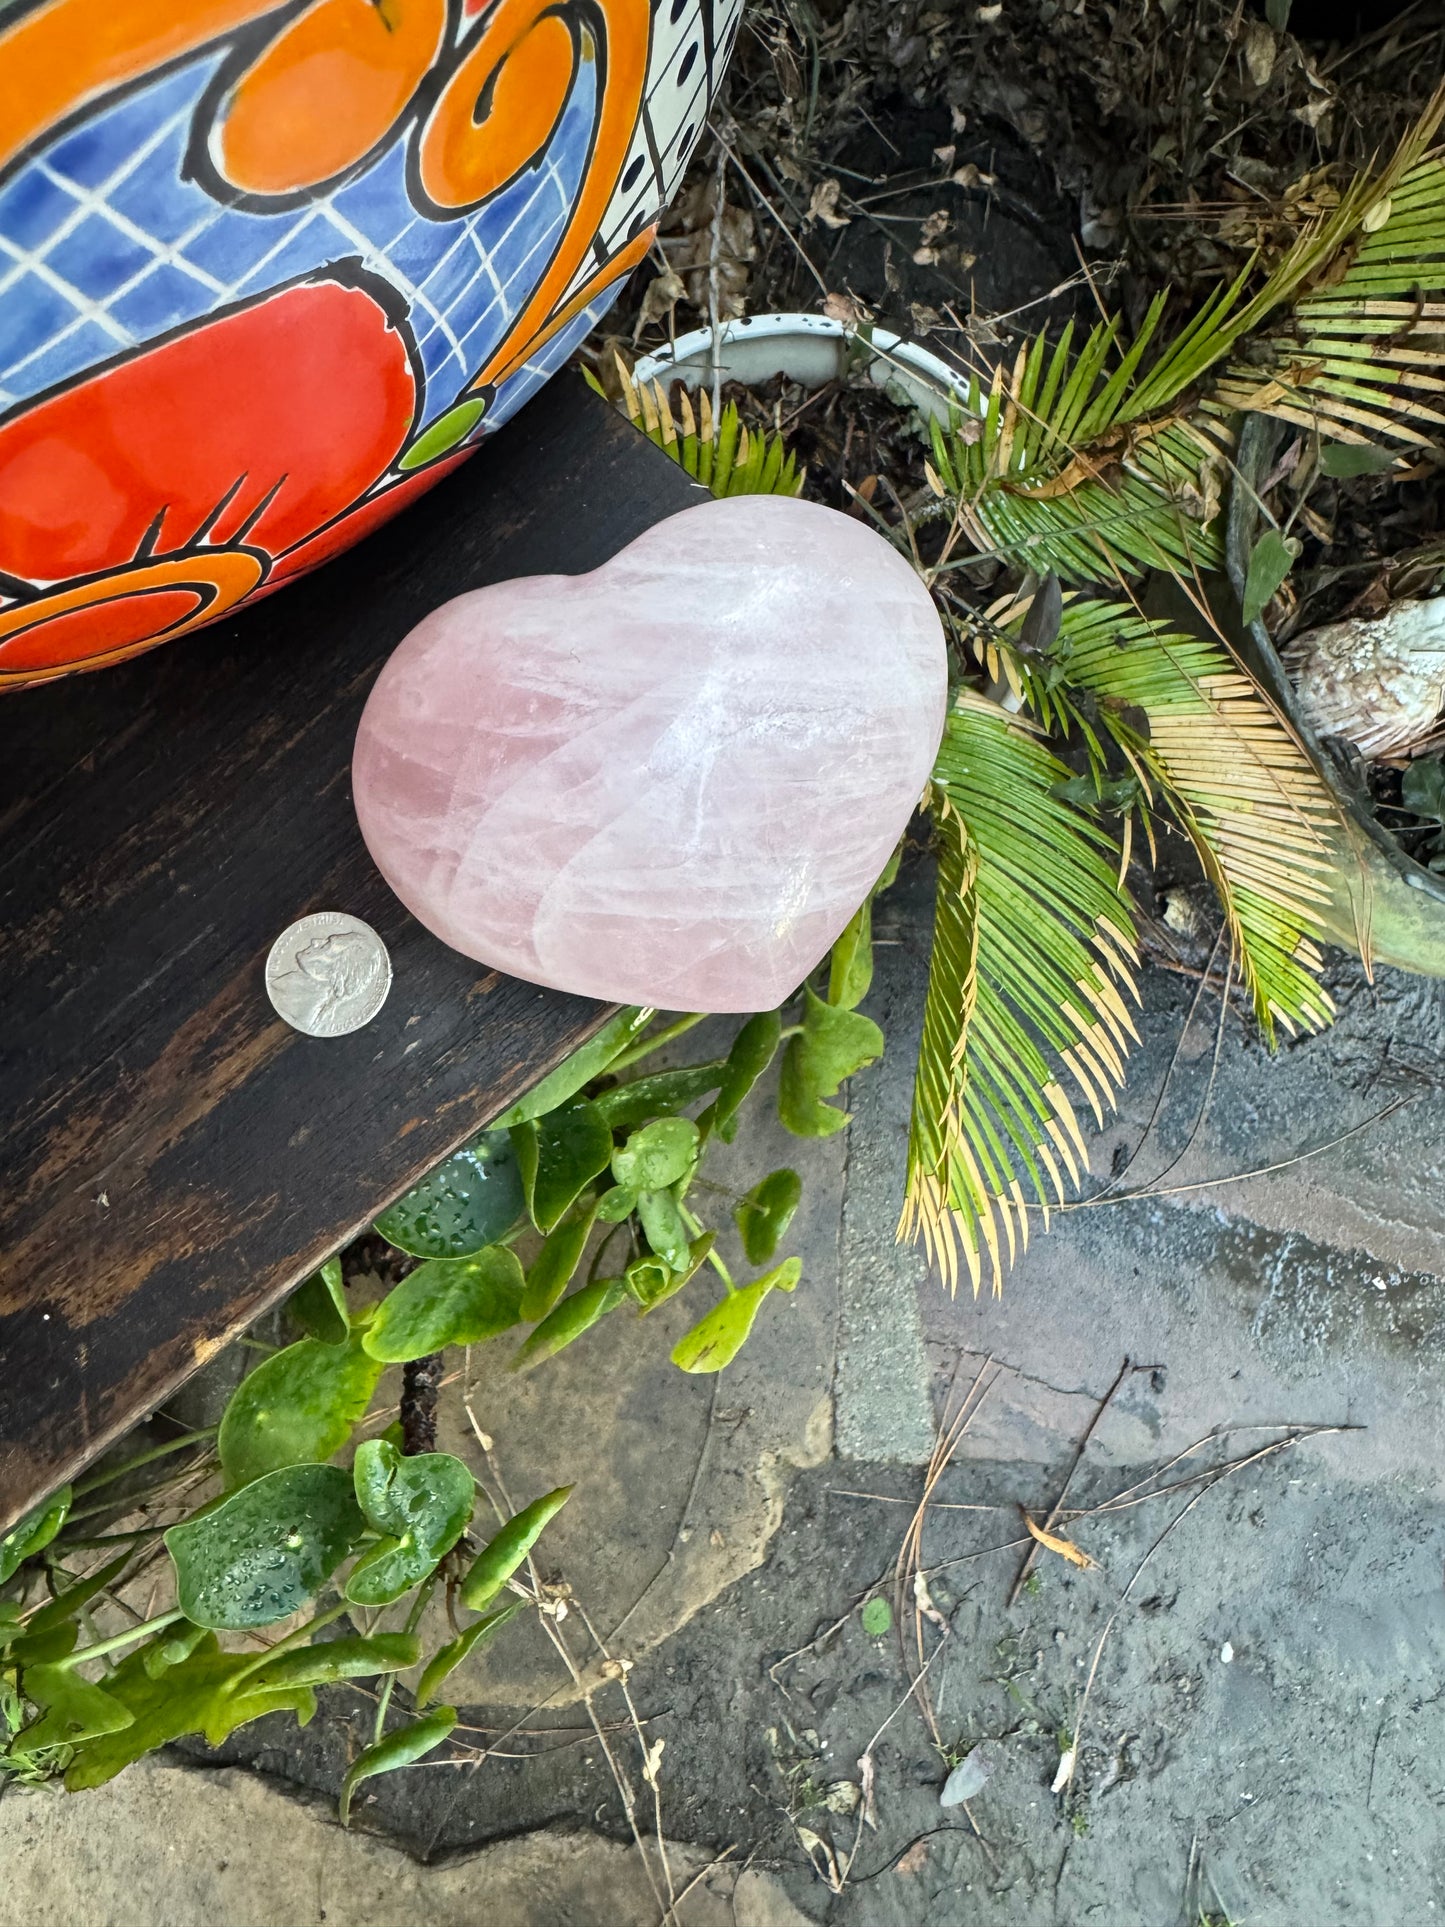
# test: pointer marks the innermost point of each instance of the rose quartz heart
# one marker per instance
(671, 781)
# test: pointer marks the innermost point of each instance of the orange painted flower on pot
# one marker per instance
(155, 495)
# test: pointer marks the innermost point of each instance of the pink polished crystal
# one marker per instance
(671, 781)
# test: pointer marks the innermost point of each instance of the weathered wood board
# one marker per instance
(172, 1157)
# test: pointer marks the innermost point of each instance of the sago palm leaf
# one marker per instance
(1033, 944)
(1049, 474)
(1066, 466)
(1230, 773)
(1362, 358)
(719, 451)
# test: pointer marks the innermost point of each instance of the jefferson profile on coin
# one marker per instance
(328, 974)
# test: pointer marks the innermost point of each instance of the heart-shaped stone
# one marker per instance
(671, 781)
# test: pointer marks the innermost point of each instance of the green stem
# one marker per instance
(95, 1480)
(111, 1538)
(413, 1620)
(694, 1225)
(648, 1045)
(117, 1640)
(127, 1502)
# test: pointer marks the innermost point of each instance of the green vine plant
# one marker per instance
(336, 1541)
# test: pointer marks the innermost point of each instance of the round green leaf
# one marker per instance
(559, 1155)
(74, 1709)
(447, 1301)
(1343, 460)
(1270, 561)
(616, 1204)
(445, 1662)
(468, 1202)
(580, 1068)
(329, 1660)
(505, 1551)
(298, 1406)
(833, 1045)
(662, 1223)
(1422, 788)
(850, 968)
(554, 1266)
(657, 1155)
(569, 1320)
(716, 1340)
(651, 1281)
(750, 1056)
(408, 1743)
(766, 1212)
(319, 1306)
(421, 1505)
(262, 1553)
(664, 1091)
(34, 1532)
(877, 1617)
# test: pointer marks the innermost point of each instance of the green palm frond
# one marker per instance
(1362, 358)
(1052, 474)
(1063, 465)
(1218, 756)
(1033, 945)
(719, 451)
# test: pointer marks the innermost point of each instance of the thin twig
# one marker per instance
(908, 1566)
(1027, 1564)
(554, 1633)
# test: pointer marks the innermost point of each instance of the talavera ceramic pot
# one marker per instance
(267, 272)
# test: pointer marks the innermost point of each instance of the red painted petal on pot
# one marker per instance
(303, 397)
(367, 516)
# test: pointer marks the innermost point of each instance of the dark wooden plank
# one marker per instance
(172, 1157)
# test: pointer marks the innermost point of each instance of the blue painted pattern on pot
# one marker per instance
(267, 272)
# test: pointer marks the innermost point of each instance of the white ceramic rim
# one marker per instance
(924, 379)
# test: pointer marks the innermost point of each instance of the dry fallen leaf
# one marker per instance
(969, 1777)
(1065, 1771)
(842, 307)
(824, 204)
(1065, 1548)
(866, 1780)
(651, 1760)
(825, 1861)
(1259, 52)
(912, 1861)
(664, 292)
(923, 1599)
(1376, 216)
(971, 175)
